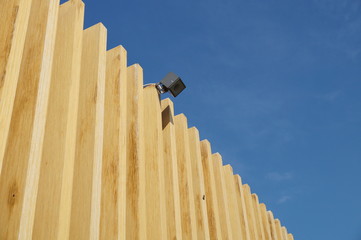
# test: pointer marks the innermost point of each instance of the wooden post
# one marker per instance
(215, 231)
(222, 197)
(284, 233)
(278, 228)
(174, 224)
(112, 215)
(198, 184)
(24, 138)
(290, 237)
(232, 203)
(185, 179)
(266, 226)
(272, 224)
(250, 212)
(86, 197)
(136, 202)
(53, 204)
(243, 211)
(14, 24)
(257, 214)
(154, 165)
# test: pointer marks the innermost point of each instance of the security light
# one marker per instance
(172, 83)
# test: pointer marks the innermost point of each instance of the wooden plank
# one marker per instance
(188, 214)
(232, 205)
(14, 23)
(250, 212)
(211, 192)
(135, 192)
(258, 217)
(174, 224)
(112, 212)
(53, 205)
(272, 224)
(278, 228)
(86, 196)
(290, 237)
(198, 184)
(154, 165)
(266, 226)
(21, 159)
(284, 233)
(242, 208)
(222, 198)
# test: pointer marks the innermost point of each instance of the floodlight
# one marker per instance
(172, 83)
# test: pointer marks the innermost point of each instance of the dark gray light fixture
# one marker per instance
(172, 83)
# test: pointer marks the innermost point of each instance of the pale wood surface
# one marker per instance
(242, 208)
(284, 233)
(258, 217)
(272, 224)
(290, 237)
(278, 229)
(188, 214)
(198, 184)
(135, 191)
(86, 196)
(214, 224)
(56, 171)
(232, 203)
(250, 212)
(174, 224)
(112, 215)
(154, 165)
(21, 158)
(266, 226)
(222, 197)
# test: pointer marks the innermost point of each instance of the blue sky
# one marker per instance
(274, 85)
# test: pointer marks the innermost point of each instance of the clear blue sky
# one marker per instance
(274, 85)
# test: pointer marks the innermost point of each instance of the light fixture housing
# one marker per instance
(172, 83)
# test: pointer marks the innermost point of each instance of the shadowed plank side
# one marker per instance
(154, 165)
(86, 195)
(52, 213)
(272, 224)
(198, 184)
(266, 226)
(14, 23)
(250, 212)
(258, 217)
(232, 203)
(214, 224)
(222, 197)
(135, 191)
(112, 212)
(188, 214)
(21, 159)
(174, 224)
(242, 208)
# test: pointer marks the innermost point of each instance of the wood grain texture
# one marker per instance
(222, 197)
(198, 184)
(214, 224)
(86, 195)
(56, 171)
(188, 214)
(242, 208)
(173, 208)
(250, 212)
(258, 217)
(154, 165)
(14, 24)
(112, 212)
(21, 160)
(266, 226)
(135, 192)
(272, 224)
(232, 202)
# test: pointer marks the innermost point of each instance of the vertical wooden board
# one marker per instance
(85, 212)
(222, 197)
(56, 171)
(211, 192)
(250, 212)
(258, 217)
(14, 23)
(154, 165)
(290, 237)
(188, 215)
(173, 210)
(135, 161)
(284, 233)
(278, 228)
(232, 203)
(112, 215)
(272, 224)
(242, 208)
(198, 184)
(21, 160)
(266, 226)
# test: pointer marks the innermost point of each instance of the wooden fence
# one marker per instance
(87, 153)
